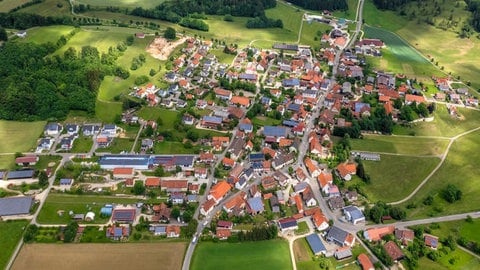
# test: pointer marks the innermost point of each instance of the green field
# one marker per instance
(106, 111)
(400, 145)
(7, 161)
(82, 145)
(463, 260)
(118, 145)
(271, 254)
(444, 125)
(12, 231)
(461, 169)
(153, 113)
(459, 228)
(404, 172)
(78, 204)
(123, 3)
(7, 5)
(49, 8)
(19, 136)
(46, 34)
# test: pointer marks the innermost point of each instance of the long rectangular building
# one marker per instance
(137, 162)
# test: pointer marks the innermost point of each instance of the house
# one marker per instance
(124, 215)
(207, 207)
(201, 173)
(404, 235)
(174, 185)
(211, 121)
(240, 101)
(393, 251)
(409, 99)
(224, 224)
(325, 179)
(158, 230)
(275, 132)
(365, 262)
(27, 160)
(431, 241)
(66, 181)
(312, 167)
(316, 244)
(90, 129)
(228, 162)
(255, 205)
(21, 34)
(177, 197)
(218, 191)
(223, 234)
(66, 143)
(161, 213)
(340, 237)
(376, 234)
(254, 191)
(123, 173)
(117, 233)
(193, 188)
(246, 125)
(308, 197)
(268, 182)
(287, 224)
(152, 182)
(236, 204)
(103, 141)
(319, 220)
(206, 157)
(336, 202)
(72, 129)
(44, 144)
(109, 130)
(173, 231)
(53, 129)
(353, 214)
(223, 94)
(346, 170)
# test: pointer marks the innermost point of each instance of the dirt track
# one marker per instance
(101, 256)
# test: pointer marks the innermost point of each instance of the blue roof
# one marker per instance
(2, 174)
(316, 243)
(124, 160)
(256, 204)
(107, 211)
(257, 165)
(65, 181)
(15, 206)
(360, 105)
(127, 215)
(160, 229)
(300, 186)
(249, 172)
(291, 82)
(257, 157)
(290, 123)
(20, 174)
(287, 223)
(274, 131)
(265, 100)
(246, 126)
(247, 76)
(212, 119)
(184, 160)
(117, 231)
(293, 107)
(354, 212)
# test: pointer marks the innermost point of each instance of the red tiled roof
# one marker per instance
(365, 262)
(117, 171)
(152, 182)
(219, 190)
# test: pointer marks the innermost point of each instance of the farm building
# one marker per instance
(124, 215)
(106, 210)
(316, 244)
(23, 174)
(138, 162)
(15, 206)
(26, 160)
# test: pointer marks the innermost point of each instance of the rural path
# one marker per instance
(291, 239)
(442, 160)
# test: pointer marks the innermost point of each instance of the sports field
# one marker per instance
(108, 256)
(11, 232)
(19, 136)
(273, 254)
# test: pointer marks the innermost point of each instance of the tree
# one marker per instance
(148, 131)
(30, 233)
(138, 188)
(70, 232)
(43, 179)
(3, 34)
(175, 212)
(159, 171)
(451, 193)
(170, 33)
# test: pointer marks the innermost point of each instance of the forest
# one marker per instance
(474, 7)
(390, 4)
(37, 86)
(321, 5)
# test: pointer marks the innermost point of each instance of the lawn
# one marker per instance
(265, 121)
(379, 18)
(167, 147)
(400, 145)
(12, 231)
(19, 136)
(444, 124)
(107, 111)
(7, 5)
(458, 228)
(79, 204)
(153, 113)
(118, 145)
(404, 172)
(271, 254)
(302, 228)
(461, 169)
(49, 8)
(45, 160)
(82, 145)
(46, 34)
(7, 161)
(123, 3)
(463, 260)
(222, 57)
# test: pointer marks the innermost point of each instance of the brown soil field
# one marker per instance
(161, 48)
(101, 256)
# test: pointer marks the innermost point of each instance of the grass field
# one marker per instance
(7, 5)
(271, 254)
(113, 256)
(123, 3)
(7, 161)
(463, 260)
(12, 231)
(77, 204)
(82, 145)
(118, 145)
(46, 34)
(106, 111)
(461, 169)
(404, 172)
(19, 136)
(49, 8)
(153, 113)
(444, 124)
(459, 228)
(400, 145)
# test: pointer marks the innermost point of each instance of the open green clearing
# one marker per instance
(123, 3)
(118, 145)
(461, 169)
(463, 260)
(12, 231)
(7, 5)
(271, 254)
(400, 145)
(444, 124)
(168, 116)
(106, 111)
(469, 230)
(79, 204)
(7, 162)
(404, 173)
(82, 144)
(49, 8)
(46, 34)
(19, 136)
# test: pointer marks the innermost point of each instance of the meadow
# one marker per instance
(118, 146)
(404, 173)
(271, 254)
(19, 136)
(7, 161)
(45, 34)
(82, 144)
(49, 8)
(462, 259)
(400, 145)
(78, 204)
(460, 169)
(113, 256)
(7, 5)
(12, 231)
(123, 3)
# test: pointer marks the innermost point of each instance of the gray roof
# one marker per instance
(256, 204)
(343, 253)
(337, 235)
(20, 174)
(316, 243)
(15, 206)
(354, 212)
(275, 131)
(124, 160)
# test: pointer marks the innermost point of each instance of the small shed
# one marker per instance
(106, 211)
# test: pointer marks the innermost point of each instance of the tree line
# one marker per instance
(321, 5)
(390, 4)
(474, 7)
(26, 20)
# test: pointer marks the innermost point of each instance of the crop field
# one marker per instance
(19, 136)
(77, 204)
(12, 231)
(110, 256)
(46, 34)
(271, 254)
(7, 5)
(404, 172)
(460, 169)
(123, 3)
(400, 145)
